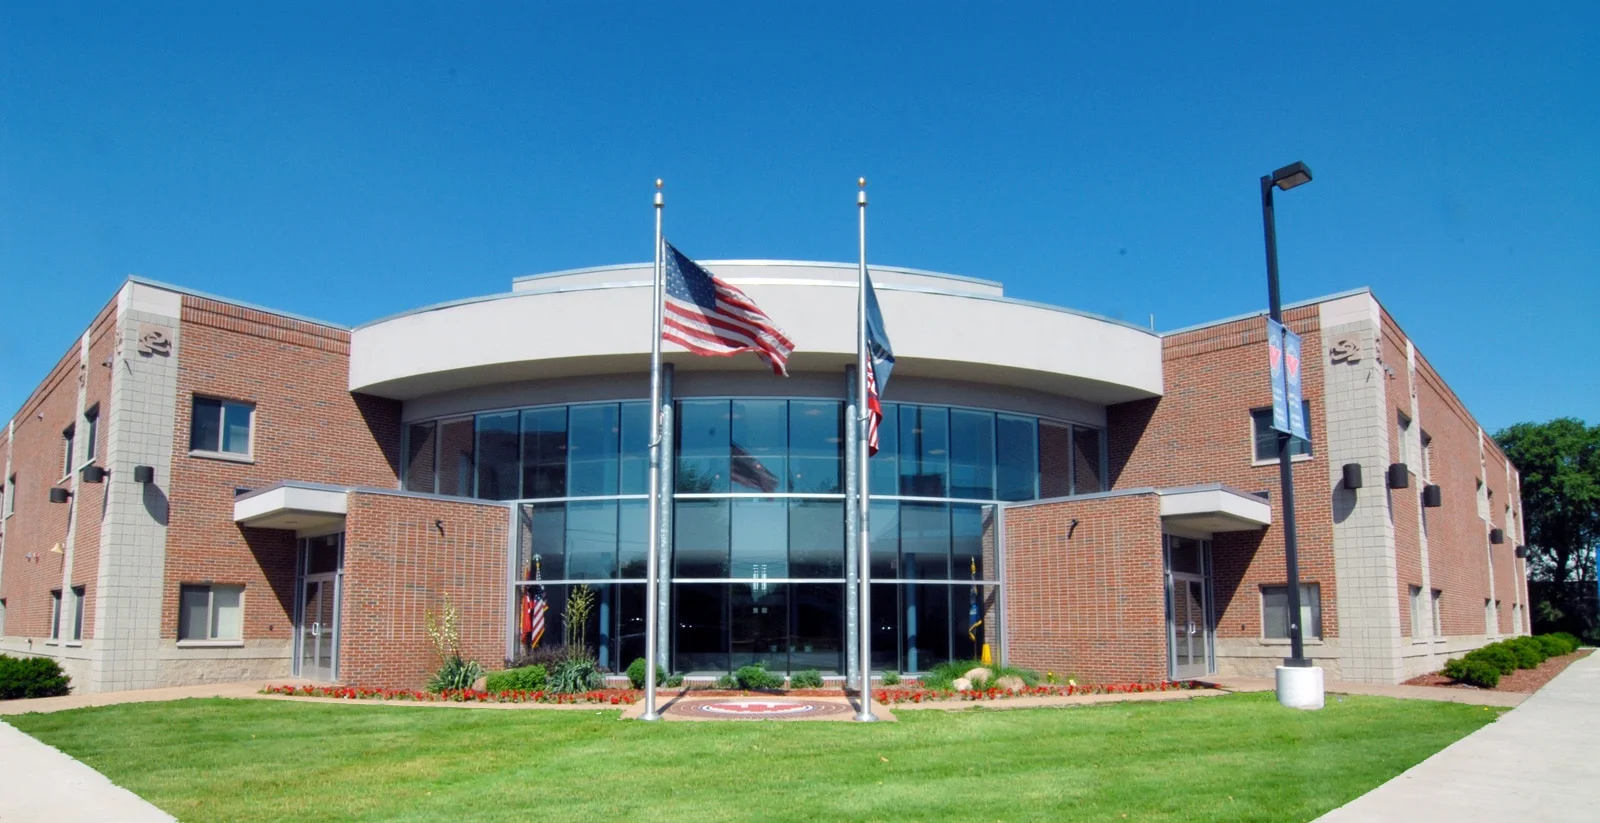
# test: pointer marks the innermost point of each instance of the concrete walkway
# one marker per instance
(84, 701)
(40, 783)
(1444, 694)
(1539, 761)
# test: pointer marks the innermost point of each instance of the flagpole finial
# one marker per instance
(861, 196)
(658, 192)
(658, 182)
(861, 181)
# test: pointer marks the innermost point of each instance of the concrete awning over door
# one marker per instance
(296, 507)
(1214, 508)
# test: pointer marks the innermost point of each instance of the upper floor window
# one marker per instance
(67, 436)
(91, 434)
(79, 594)
(1266, 437)
(221, 426)
(9, 494)
(1427, 455)
(1403, 438)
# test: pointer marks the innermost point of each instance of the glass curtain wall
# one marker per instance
(758, 569)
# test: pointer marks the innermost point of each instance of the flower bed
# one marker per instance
(919, 694)
(611, 697)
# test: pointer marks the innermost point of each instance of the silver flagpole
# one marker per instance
(653, 569)
(864, 566)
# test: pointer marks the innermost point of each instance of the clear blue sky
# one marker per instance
(348, 162)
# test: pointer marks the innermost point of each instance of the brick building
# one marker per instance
(202, 490)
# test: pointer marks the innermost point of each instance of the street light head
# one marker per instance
(1291, 175)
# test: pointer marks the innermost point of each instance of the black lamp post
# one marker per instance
(1285, 178)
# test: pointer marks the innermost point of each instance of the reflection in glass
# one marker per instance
(816, 443)
(817, 627)
(972, 454)
(1055, 460)
(926, 626)
(704, 448)
(760, 445)
(886, 634)
(925, 541)
(455, 457)
(884, 519)
(544, 452)
(760, 538)
(498, 465)
(543, 528)
(884, 467)
(1017, 456)
(700, 543)
(635, 469)
(633, 548)
(592, 443)
(1086, 460)
(973, 613)
(701, 627)
(630, 624)
(419, 457)
(924, 451)
(760, 615)
(816, 538)
(966, 541)
(591, 540)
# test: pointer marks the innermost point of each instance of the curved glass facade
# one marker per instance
(758, 520)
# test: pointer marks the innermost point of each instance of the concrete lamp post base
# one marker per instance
(1300, 687)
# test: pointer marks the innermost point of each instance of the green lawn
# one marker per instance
(1240, 757)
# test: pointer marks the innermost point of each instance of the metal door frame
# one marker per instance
(1207, 609)
(336, 577)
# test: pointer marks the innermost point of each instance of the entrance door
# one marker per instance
(1188, 612)
(319, 631)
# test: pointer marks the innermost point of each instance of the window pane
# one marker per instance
(884, 467)
(227, 618)
(816, 446)
(703, 446)
(194, 609)
(971, 454)
(700, 545)
(544, 452)
(635, 470)
(760, 538)
(78, 593)
(816, 627)
(633, 548)
(1055, 460)
(1275, 612)
(205, 425)
(498, 449)
(92, 440)
(886, 637)
(1016, 447)
(1186, 555)
(1310, 610)
(630, 623)
(322, 554)
(760, 446)
(885, 523)
(816, 538)
(925, 541)
(455, 457)
(966, 541)
(542, 535)
(760, 625)
(419, 457)
(924, 451)
(701, 627)
(1086, 460)
(236, 428)
(1266, 437)
(973, 612)
(593, 435)
(592, 540)
(926, 626)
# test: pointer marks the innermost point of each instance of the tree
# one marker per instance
(1559, 464)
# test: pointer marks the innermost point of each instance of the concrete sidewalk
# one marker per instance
(40, 783)
(83, 701)
(1444, 694)
(1539, 761)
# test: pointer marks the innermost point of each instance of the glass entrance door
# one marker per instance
(317, 632)
(1188, 612)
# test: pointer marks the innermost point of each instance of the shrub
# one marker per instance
(726, 681)
(31, 677)
(1529, 652)
(576, 675)
(526, 679)
(547, 656)
(455, 675)
(1496, 655)
(636, 671)
(891, 678)
(944, 675)
(757, 677)
(1570, 640)
(1453, 668)
(674, 681)
(808, 679)
(1479, 673)
(1553, 646)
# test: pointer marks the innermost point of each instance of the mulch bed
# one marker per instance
(1526, 681)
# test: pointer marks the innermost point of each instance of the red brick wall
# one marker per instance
(1456, 535)
(403, 555)
(1506, 582)
(1200, 432)
(37, 524)
(1092, 605)
(308, 426)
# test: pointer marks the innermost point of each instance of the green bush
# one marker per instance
(890, 678)
(808, 679)
(31, 677)
(726, 682)
(674, 681)
(944, 675)
(455, 675)
(1479, 673)
(526, 679)
(1567, 639)
(1496, 655)
(757, 677)
(1553, 646)
(575, 676)
(547, 656)
(1529, 652)
(636, 671)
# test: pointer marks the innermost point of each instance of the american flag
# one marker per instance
(707, 316)
(747, 471)
(880, 362)
(536, 623)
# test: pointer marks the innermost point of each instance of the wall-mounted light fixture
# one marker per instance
(1497, 536)
(1432, 496)
(1522, 551)
(1399, 476)
(93, 474)
(144, 474)
(1352, 475)
(59, 495)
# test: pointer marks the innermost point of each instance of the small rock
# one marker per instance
(1010, 683)
(961, 684)
(979, 675)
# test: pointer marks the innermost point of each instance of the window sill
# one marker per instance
(1272, 641)
(1296, 458)
(224, 456)
(52, 642)
(210, 644)
(73, 644)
